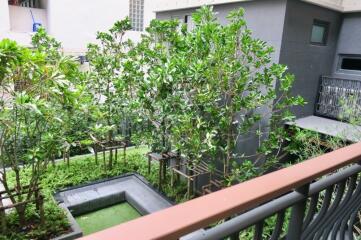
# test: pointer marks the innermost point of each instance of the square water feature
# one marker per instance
(103, 204)
(107, 217)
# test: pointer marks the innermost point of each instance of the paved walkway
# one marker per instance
(330, 127)
(7, 201)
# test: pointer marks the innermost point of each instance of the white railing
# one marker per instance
(30, 3)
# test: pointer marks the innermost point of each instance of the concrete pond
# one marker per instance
(99, 205)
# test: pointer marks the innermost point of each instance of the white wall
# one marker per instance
(21, 20)
(352, 5)
(4, 16)
(339, 5)
(165, 5)
(76, 22)
(8, 20)
(23, 38)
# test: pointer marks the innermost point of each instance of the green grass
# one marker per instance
(106, 218)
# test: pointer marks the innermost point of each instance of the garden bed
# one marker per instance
(82, 170)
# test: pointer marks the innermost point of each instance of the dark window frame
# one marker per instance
(326, 26)
(188, 21)
(348, 56)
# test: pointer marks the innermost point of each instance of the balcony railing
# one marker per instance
(22, 19)
(316, 199)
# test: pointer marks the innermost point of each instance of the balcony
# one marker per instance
(316, 199)
(21, 19)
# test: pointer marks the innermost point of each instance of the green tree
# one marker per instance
(159, 94)
(108, 81)
(75, 101)
(33, 89)
(207, 88)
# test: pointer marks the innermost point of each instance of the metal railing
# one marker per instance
(338, 98)
(316, 199)
(29, 3)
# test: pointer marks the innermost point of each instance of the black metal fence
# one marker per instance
(339, 98)
(326, 209)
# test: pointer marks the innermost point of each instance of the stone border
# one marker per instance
(76, 232)
(133, 188)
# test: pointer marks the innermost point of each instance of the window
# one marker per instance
(189, 22)
(136, 14)
(350, 63)
(180, 20)
(319, 32)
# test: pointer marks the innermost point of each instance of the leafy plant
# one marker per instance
(158, 85)
(82, 170)
(206, 89)
(108, 82)
(26, 113)
(35, 87)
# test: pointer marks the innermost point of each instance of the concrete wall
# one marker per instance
(21, 38)
(338, 5)
(268, 28)
(21, 20)
(349, 43)
(76, 22)
(308, 62)
(4, 16)
(16, 22)
(352, 5)
(166, 5)
(332, 4)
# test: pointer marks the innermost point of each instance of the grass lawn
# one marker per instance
(106, 218)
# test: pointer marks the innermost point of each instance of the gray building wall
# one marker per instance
(287, 26)
(264, 17)
(349, 43)
(306, 61)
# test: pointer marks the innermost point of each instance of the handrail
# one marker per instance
(180, 220)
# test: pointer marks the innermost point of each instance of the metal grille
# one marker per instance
(339, 98)
(327, 209)
(136, 14)
(29, 3)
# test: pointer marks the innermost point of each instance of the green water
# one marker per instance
(106, 218)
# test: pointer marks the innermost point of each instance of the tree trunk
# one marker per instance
(104, 161)
(21, 213)
(110, 159)
(68, 158)
(53, 159)
(3, 227)
(41, 211)
(96, 156)
(125, 154)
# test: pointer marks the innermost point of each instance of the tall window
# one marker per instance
(188, 20)
(136, 14)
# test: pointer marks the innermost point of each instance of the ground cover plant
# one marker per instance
(83, 169)
(205, 89)
(198, 92)
(34, 90)
(108, 82)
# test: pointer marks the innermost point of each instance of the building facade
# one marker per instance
(313, 38)
(73, 22)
